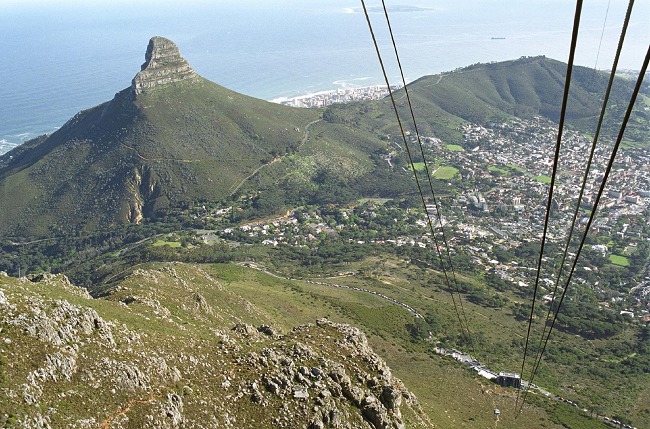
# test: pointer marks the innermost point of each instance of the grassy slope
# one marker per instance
(572, 367)
(490, 92)
(452, 395)
(182, 142)
(338, 151)
(223, 136)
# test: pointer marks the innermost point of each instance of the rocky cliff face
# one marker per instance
(170, 348)
(163, 65)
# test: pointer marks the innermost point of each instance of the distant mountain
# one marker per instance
(173, 138)
(526, 87)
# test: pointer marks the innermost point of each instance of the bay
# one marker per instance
(60, 57)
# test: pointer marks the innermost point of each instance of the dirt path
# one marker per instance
(106, 423)
(304, 140)
(440, 76)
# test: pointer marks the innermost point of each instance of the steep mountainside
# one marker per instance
(174, 347)
(171, 137)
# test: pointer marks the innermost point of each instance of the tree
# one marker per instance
(419, 329)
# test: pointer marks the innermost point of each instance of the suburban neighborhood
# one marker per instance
(493, 206)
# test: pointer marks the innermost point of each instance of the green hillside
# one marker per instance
(179, 345)
(484, 93)
(134, 157)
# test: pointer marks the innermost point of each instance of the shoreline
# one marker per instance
(6, 146)
(12, 141)
(336, 96)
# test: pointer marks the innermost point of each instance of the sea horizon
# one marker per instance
(65, 57)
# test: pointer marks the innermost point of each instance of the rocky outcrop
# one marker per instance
(150, 356)
(169, 414)
(60, 280)
(352, 386)
(163, 65)
(59, 323)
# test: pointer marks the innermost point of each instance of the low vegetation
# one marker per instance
(445, 173)
(619, 260)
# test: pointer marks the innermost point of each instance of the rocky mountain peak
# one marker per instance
(163, 65)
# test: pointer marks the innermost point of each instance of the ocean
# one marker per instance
(63, 56)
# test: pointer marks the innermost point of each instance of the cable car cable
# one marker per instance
(602, 34)
(567, 85)
(428, 174)
(628, 113)
(401, 127)
(603, 109)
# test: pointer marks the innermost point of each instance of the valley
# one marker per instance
(196, 234)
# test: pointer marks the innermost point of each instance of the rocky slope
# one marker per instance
(172, 347)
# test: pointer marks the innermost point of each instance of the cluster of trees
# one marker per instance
(63, 250)
(67, 252)
(328, 252)
(588, 321)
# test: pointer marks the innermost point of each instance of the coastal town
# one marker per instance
(336, 96)
(493, 207)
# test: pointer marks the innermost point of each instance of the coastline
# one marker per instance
(11, 141)
(5, 142)
(6, 145)
(335, 96)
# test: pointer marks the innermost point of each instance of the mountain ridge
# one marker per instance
(121, 161)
